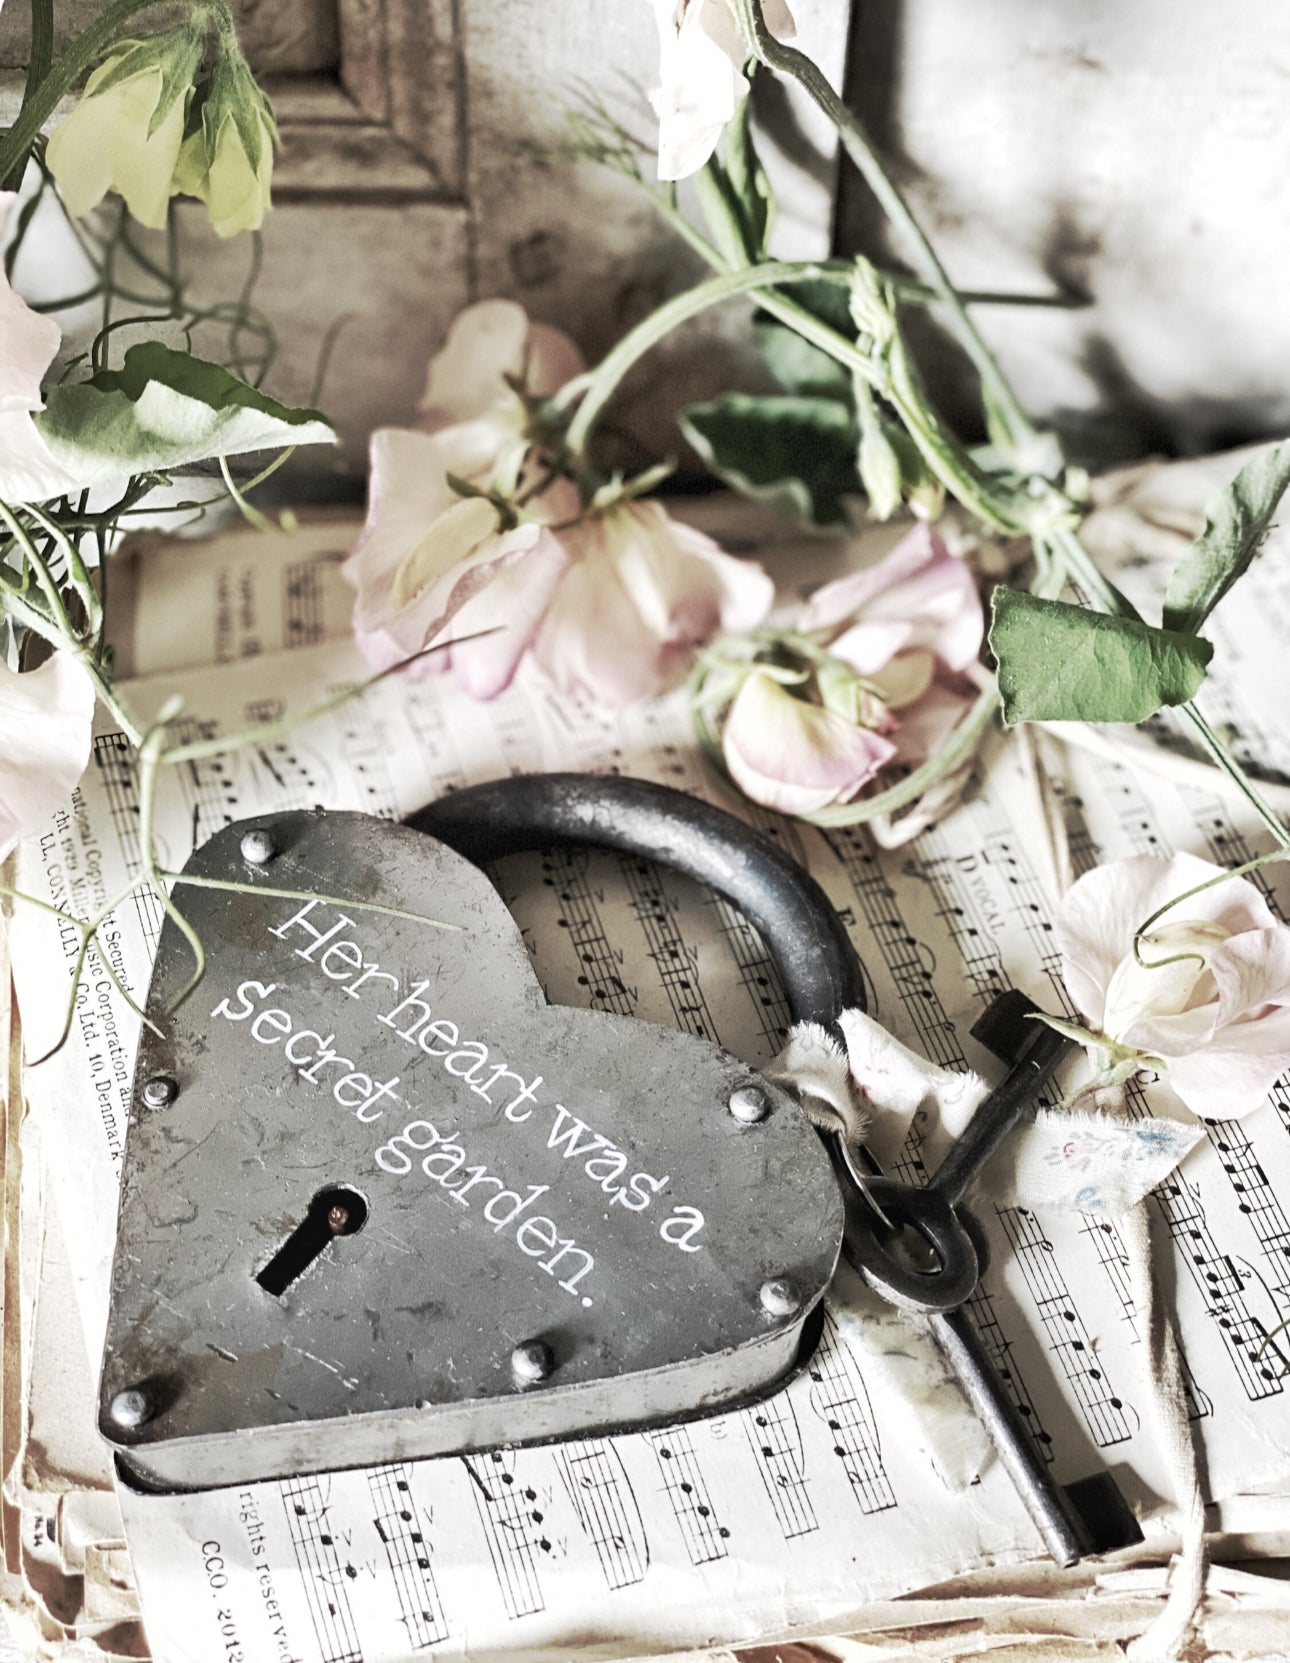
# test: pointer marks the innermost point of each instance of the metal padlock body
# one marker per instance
(565, 1181)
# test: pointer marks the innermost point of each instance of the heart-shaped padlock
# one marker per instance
(380, 1201)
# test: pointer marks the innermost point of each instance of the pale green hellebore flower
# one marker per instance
(126, 131)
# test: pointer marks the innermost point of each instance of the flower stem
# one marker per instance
(787, 60)
(42, 55)
(637, 342)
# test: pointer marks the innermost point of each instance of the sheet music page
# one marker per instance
(798, 1512)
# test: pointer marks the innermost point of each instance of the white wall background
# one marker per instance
(1136, 149)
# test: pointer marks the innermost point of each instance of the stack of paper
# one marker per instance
(791, 1517)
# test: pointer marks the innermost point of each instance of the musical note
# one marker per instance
(676, 962)
(909, 961)
(600, 964)
(302, 596)
(1110, 1421)
(605, 1503)
(514, 1517)
(687, 1493)
(407, 1552)
(1255, 1197)
(775, 1439)
(322, 1571)
(841, 1400)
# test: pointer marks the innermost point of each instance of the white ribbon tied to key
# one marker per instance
(1097, 1162)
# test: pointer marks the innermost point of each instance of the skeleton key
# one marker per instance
(915, 1249)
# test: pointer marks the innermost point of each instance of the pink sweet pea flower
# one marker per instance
(794, 756)
(642, 592)
(918, 599)
(1217, 1018)
(28, 343)
(702, 53)
(886, 682)
(428, 558)
(493, 351)
(45, 720)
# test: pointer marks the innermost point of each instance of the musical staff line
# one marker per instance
(407, 1553)
(302, 602)
(365, 753)
(603, 1498)
(1260, 1363)
(601, 963)
(686, 1489)
(676, 960)
(321, 1572)
(1109, 1420)
(514, 1522)
(775, 1439)
(1255, 1197)
(959, 904)
(840, 1399)
(114, 758)
(909, 962)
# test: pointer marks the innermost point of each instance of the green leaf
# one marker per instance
(798, 366)
(798, 453)
(163, 410)
(1060, 663)
(1235, 526)
(748, 181)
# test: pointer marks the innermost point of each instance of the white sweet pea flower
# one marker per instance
(1216, 1017)
(702, 53)
(126, 131)
(28, 343)
(227, 160)
(429, 559)
(45, 721)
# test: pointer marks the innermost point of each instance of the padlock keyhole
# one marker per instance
(335, 1211)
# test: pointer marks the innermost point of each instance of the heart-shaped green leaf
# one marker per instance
(1235, 526)
(1060, 663)
(799, 453)
(163, 410)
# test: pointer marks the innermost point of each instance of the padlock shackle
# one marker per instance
(803, 932)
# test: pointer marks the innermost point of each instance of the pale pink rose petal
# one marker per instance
(45, 719)
(28, 343)
(793, 756)
(407, 493)
(1236, 1072)
(918, 595)
(1094, 925)
(488, 345)
(593, 642)
(509, 598)
(643, 593)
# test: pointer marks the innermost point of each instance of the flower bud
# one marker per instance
(126, 131)
(227, 157)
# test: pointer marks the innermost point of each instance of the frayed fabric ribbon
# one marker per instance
(1098, 1162)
